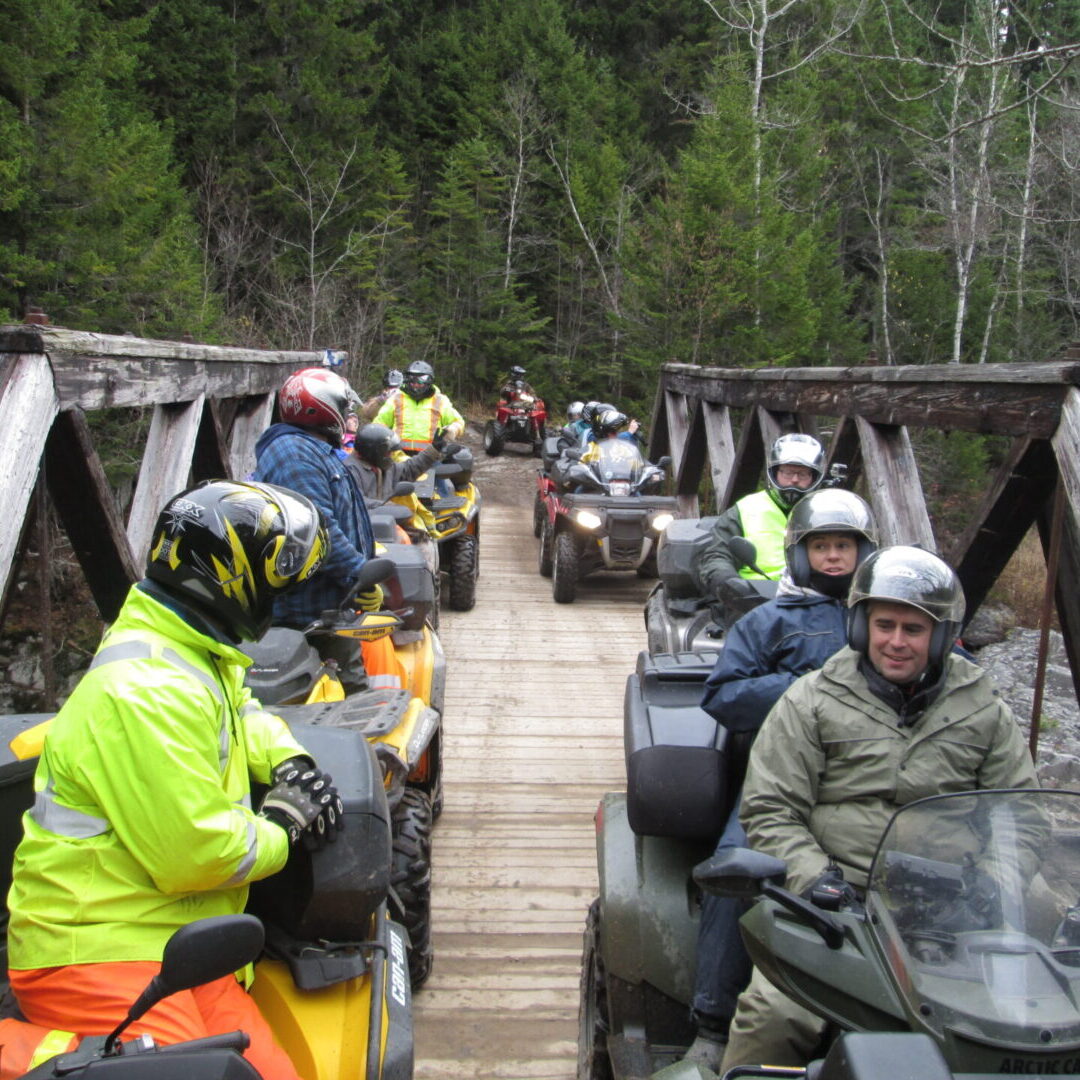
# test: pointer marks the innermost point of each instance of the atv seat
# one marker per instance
(679, 776)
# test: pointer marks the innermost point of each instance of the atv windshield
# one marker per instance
(617, 461)
(974, 899)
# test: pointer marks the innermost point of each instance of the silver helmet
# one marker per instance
(908, 575)
(795, 449)
(828, 511)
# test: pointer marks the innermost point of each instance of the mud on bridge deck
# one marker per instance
(533, 726)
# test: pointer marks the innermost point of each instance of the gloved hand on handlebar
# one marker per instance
(449, 450)
(439, 440)
(370, 599)
(736, 592)
(830, 891)
(305, 804)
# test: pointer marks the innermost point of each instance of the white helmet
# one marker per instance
(795, 449)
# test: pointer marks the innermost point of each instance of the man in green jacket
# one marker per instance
(796, 466)
(893, 717)
(142, 820)
(419, 410)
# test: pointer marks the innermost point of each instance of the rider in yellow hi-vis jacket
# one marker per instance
(420, 410)
(142, 820)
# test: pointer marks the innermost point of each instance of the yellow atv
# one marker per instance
(332, 980)
(456, 525)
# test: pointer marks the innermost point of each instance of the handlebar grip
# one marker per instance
(229, 1040)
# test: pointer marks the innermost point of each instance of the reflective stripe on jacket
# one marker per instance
(142, 820)
(417, 421)
(764, 525)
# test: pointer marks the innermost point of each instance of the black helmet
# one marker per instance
(391, 379)
(228, 549)
(375, 443)
(592, 409)
(907, 575)
(419, 380)
(609, 422)
(795, 449)
(829, 511)
(573, 410)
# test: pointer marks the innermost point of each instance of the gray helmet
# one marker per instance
(828, 511)
(795, 449)
(908, 575)
(573, 410)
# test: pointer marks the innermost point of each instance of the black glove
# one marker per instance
(305, 804)
(830, 891)
(736, 591)
(438, 440)
(449, 450)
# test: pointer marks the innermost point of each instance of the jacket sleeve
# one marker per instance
(267, 739)
(417, 465)
(781, 788)
(715, 562)
(156, 775)
(451, 417)
(385, 414)
(743, 686)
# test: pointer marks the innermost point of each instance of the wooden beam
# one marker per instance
(845, 450)
(28, 407)
(721, 446)
(251, 419)
(165, 470)
(1066, 445)
(87, 510)
(1020, 490)
(892, 480)
(1002, 399)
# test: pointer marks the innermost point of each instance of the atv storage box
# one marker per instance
(412, 586)
(331, 894)
(677, 769)
(680, 547)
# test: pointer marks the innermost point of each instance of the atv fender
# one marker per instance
(650, 905)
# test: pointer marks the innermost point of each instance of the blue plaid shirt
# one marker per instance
(291, 458)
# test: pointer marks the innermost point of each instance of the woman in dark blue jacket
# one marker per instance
(829, 533)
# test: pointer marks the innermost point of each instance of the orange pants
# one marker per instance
(92, 999)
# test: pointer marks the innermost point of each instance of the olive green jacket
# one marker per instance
(831, 764)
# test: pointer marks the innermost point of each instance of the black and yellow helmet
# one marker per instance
(228, 548)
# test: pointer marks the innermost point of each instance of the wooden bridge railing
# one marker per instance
(209, 403)
(869, 411)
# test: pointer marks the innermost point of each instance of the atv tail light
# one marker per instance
(587, 519)
(662, 521)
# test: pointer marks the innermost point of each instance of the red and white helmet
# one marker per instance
(318, 399)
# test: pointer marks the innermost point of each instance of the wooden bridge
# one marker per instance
(534, 695)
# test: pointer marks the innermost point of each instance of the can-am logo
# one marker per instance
(399, 978)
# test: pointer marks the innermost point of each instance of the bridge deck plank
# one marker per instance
(533, 739)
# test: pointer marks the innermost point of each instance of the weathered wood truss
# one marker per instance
(868, 412)
(209, 404)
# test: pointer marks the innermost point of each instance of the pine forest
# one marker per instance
(588, 188)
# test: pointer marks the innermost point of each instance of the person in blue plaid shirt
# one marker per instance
(302, 453)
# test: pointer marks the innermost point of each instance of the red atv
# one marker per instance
(519, 419)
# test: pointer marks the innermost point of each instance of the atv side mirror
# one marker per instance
(739, 872)
(402, 487)
(372, 572)
(745, 554)
(664, 462)
(197, 953)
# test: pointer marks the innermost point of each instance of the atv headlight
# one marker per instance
(587, 519)
(662, 521)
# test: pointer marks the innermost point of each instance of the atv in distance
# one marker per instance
(601, 512)
(519, 420)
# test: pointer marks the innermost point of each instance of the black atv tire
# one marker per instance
(410, 876)
(494, 438)
(593, 1062)
(464, 568)
(539, 514)
(544, 558)
(564, 576)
